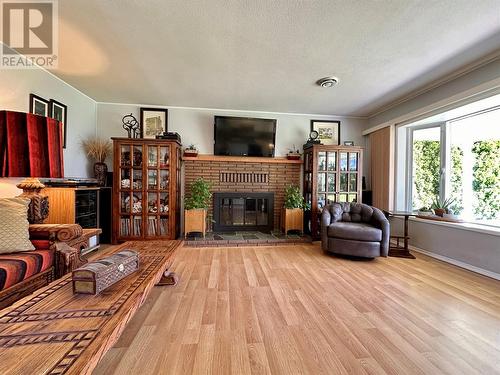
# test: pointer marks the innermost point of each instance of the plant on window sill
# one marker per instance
(441, 206)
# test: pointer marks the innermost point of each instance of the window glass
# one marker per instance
(474, 178)
(426, 149)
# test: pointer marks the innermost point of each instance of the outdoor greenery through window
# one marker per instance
(459, 159)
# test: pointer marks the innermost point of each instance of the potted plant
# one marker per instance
(293, 212)
(441, 206)
(196, 205)
(293, 154)
(98, 150)
(191, 151)
(424, 211)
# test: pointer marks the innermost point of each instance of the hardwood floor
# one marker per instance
(294, 310)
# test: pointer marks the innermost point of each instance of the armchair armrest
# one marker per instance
(381, 222)
(54, 233)
(326, 219)
(58, 237)
(67, 259)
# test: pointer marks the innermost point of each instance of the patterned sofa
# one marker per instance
(22, 273)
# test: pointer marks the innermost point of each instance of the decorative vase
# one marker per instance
(100, 172)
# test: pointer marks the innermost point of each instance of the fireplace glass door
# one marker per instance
(240, 211)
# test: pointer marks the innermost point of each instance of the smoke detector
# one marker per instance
(327, 81)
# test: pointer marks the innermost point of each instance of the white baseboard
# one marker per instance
(457, 263)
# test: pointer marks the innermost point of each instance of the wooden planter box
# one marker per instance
(293, 219)
(190, 154)
(195, 221)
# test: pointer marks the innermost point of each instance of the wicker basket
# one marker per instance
(96, 276)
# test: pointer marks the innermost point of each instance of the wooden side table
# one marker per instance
(398, 250)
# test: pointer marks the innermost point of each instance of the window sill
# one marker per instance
(462, 226)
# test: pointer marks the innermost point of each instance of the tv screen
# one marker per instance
(242, 136)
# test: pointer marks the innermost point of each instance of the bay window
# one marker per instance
(457, 158)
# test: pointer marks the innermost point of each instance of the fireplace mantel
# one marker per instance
(242, 159)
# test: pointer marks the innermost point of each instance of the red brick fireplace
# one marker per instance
(245, 175)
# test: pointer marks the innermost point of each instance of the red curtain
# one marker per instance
(30, 145)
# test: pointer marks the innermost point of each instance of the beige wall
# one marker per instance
(195, 125)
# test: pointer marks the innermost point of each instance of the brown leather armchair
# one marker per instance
(354, 229)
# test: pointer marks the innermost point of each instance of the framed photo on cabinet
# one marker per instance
(328, 131)
(153, 122)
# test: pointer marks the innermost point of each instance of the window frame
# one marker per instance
(443, 157)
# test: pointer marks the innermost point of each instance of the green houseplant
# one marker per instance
(195, 206)
(441, 206)
(294, 198)
(293, 213)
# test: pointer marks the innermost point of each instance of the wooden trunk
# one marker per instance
(96, 276)
(195, 221)
(293, 219)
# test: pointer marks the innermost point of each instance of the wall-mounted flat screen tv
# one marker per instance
(243, 136)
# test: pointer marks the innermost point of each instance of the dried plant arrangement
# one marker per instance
(97, 149)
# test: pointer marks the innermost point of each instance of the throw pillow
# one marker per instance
(14, 226)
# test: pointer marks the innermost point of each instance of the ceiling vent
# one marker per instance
(327, 81)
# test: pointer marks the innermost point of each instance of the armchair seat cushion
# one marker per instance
(17, 267)
(355, 231)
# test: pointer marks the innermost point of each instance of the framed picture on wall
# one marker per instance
(328, 131)
(59, 112)
(153, 122)
(38, 105)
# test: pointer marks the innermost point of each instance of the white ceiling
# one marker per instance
(266, 55)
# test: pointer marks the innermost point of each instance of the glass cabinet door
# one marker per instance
(349, 178)
(130, 187)
(157, 190)
(327, 178)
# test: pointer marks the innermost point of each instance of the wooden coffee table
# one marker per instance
(54, 331)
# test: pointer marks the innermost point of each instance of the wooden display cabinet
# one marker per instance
(146, 189)
(331, 174)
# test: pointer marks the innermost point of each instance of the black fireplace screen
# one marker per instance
(243, 211)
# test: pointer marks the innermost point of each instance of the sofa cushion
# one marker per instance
(354, 231)
(17, 267)
(14, 226)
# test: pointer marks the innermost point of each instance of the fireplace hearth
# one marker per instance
(243, 211)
